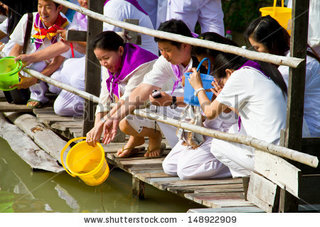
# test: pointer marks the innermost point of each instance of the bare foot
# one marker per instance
(155, 152)
(128, 149)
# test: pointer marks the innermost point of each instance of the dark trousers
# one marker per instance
(17, 96)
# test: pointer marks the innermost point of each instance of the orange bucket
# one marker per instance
(86, 162)
(281, 14)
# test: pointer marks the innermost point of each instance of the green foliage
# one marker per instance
(239, 13)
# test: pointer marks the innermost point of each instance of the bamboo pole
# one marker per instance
(242, 139)
(66, 87)
(270, 58)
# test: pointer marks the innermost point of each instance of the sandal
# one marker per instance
(37, 104)
(161, 148)
(133, 151)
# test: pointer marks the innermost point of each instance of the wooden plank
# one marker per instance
(161, 183)
(227, 203)
(180, 183)
(75, 35)
(149, 171)
(212, 199)
(7, 107)
(54, 118)
(93, 69)
(279, 171)
(148, 167)
(63, 126)
(262, 192)
(153, 175)
(207, 188)
(35, 157)
(250, 209)
(45, 138)
(144, 162)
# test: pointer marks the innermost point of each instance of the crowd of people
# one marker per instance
(249, 97)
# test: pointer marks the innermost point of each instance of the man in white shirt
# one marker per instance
(43, 34)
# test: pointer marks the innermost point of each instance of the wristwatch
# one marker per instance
(173, 105)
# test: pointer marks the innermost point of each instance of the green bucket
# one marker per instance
(9, 73)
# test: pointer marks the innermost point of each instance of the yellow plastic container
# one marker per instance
(86, 162)
(281, 14)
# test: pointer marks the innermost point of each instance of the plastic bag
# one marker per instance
(192, 115)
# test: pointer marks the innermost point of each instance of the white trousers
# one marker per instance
(39, 90)
(73, 74)
(199, 163)
(238, 157)
(208, 13)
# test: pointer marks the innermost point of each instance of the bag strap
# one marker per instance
(28, 33)
(209, 65)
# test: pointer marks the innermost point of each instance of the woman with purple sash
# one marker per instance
(255, 91)
(124, 66)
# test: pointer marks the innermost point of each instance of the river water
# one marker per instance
(24, 190)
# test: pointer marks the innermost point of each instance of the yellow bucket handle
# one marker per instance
(65, 148)
(275, 5)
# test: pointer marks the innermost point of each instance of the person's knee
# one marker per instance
(169, 168)
(124, 126)
(187, 171)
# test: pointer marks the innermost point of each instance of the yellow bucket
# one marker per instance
(281, 14)
(86, 162)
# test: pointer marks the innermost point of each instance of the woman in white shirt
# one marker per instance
(266, 35)
(257, 92)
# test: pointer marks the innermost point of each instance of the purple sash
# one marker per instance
(81, 20)
(133, 2)
(132, 58)
(178, 74)
(256, 66)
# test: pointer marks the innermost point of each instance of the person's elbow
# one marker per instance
(210, 114)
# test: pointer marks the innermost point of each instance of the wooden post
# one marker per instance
(93, 69)
(293, 134)
(133, 37)
(137, 188)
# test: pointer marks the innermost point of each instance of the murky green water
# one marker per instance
(24, 190)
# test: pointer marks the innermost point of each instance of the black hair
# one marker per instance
(16, 9)
(225, 61)
(270, 33)
(174, 26)
(3, 11)
(107, 40)
(211, 36)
